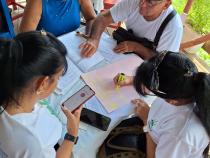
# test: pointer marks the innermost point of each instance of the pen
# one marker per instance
(120, 78)
(81, 35)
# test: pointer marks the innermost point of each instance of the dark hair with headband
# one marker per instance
(171, 75)
(28, 55)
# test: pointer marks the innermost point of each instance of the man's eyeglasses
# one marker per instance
(151, 3)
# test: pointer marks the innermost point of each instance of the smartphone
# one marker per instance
(79, 98)
(95, 119)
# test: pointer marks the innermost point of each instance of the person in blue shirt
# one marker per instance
(56, 16)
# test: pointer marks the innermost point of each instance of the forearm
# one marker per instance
(27, 25)
(97, 28)
(130, 78)
(144, 52)
(89, 26)
(65, 150)
(142, 111)
(151, 146)
(31, 16)
(99, 25)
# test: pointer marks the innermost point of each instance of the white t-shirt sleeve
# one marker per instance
(171, 38)
(123, 9)
(170, 146)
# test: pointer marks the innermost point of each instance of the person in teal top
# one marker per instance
(56, 16)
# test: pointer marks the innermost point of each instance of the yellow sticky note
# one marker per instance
(113, 105)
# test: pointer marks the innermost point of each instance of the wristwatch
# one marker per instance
(71, 138)
(145, 129)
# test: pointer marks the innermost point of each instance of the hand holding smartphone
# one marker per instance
(79, 98)
(90, 117)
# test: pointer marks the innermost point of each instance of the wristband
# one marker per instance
(71, 138)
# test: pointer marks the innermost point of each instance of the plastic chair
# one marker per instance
(6, 26)
(14, 5)
(110, 3)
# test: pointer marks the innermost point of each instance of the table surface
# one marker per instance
(91, 138)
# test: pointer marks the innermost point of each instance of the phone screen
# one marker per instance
(79, 98)
(95, 119)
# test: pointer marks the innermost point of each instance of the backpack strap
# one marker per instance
(162, 27)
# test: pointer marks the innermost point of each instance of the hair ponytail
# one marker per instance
(176, 77)
(202, 98)
(10, 58)
(16, 52)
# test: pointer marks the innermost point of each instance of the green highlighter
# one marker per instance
(121, 78)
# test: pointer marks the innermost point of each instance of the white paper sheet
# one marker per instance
(106, 46)
(69, 79)
(72, 42)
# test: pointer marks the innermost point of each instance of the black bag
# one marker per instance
(121, 35)
(126, 140)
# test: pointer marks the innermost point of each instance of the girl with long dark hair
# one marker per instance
(30, 66)
(178, 122)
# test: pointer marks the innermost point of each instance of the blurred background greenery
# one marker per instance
(199, 15)
(199, 19)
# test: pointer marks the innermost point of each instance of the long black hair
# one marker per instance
(28, 55)
(172, 75)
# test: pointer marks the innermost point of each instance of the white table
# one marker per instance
(90, 138)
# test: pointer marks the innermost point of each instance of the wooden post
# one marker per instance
(186, 10)
(188, 6)
(196, 41)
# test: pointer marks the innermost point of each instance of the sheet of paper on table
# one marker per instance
(106, 46)
(77, 64)
(71, 76)
(101, 81)
(72, 42)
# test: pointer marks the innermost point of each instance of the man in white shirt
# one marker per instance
(144, 17)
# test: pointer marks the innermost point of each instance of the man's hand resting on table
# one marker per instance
(127, 46)
(89, 47)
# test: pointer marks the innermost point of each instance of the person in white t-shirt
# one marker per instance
(177, 123)
(144, 17)
(30, 66)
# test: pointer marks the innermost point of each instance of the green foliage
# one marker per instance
(179, 5)
(199, 15)
(204, 56)
(198, 18)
